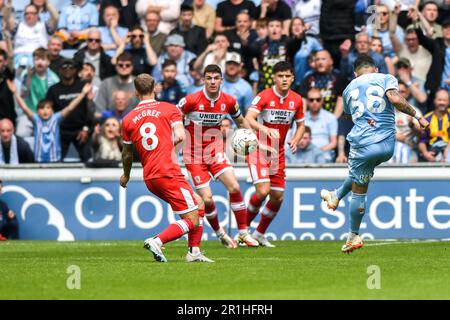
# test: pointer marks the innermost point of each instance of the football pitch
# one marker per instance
(292, 270)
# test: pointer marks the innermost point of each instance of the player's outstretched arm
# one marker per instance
(402, 105)
(127, 162)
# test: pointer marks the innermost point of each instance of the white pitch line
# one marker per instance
(404, 242)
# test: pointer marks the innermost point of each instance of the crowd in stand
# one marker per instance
(67, 68)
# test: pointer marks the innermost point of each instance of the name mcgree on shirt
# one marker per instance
(146, 113)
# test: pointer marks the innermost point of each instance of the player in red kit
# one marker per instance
(204, 153)
(278, 107)
(154, 128)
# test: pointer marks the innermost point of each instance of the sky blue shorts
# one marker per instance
(362, 161)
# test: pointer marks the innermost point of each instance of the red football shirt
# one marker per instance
(203, 117)
(278, 112)
(149, 128)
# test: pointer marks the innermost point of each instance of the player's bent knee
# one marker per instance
(262, 191)
(193, 216)
(201, 204)
(234, 188)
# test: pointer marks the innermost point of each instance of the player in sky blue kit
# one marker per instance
(370, 99)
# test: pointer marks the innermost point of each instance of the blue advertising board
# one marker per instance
(102, 210)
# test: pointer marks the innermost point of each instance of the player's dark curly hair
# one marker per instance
(362, 61)
(282, 66)
(212, 68)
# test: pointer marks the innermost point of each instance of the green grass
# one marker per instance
(293, 270)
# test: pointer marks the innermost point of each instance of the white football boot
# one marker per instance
(353, 242)
(151, 245)
(226, 240)
(262, 240)
(198, 257)
(331, 198)
(247, 240)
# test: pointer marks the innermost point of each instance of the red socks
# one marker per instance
(269, 212)
(239, 209)
(253, 208)
(195, 236)
(176, 230)
(211, 215)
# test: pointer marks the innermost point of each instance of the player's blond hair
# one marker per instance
(144, 84)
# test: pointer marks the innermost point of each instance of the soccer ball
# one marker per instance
(244, 142)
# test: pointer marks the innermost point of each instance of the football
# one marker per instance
(244, 141)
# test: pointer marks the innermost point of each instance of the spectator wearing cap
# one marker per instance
(438, 75)
(307, 152)
(137, 43)
(75, 21)
(9, 226)
(169, 89)
(194, 36)
(362, 46)
(233, 83)
(168, 10)
(76, 127)
(215, 53)
(94, 54)
(415, 85)
(204, 16)
(434, 144)
(127, 13)
(228, 10)
(157, 38)
(175, 50)
(13, 149)
(269, 9)
(122, 81)
(419, 57)
(111, 34)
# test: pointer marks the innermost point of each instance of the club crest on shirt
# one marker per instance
(291, 105)
(272, 103)
(201, 107)
(223, 107)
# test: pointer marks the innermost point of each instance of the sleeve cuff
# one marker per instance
(127, 142)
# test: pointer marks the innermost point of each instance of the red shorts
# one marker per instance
(264, 169)
(201, 172)
(176, 191)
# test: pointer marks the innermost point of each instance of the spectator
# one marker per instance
(120, 107)
(75, 21)
(55, 46)
(144, 57)
(403, 8)
(14, 149)
(48, 15)
(122, 81)
(323, 125)
(261, 28)
(7, 109)
(299, 47)
(240, 37)
(337, 21)
(168, 10)
(94, 54)
(438, 75)
(46, 123)
(228, 10)
(362, 46)
(29, 35)
(127, 12)
(157, 38)
(435, 142)
(9, 226)
(204, 16)
(169, 90)
(107, 141)
(385, 28)
(328, 81)
(87, 74)
(112, 34)
(408, 130)
(175, 51)
(419, 57)
(35, 82)
(307, 152)
(309, 11)
(75, 128)
(275, 9)
(268, 52)
(233, 83)
(7, 20)
(215, 53)
(415, 85)
(376, 45)
(427, 19)
(196, 77)
(194, 36)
